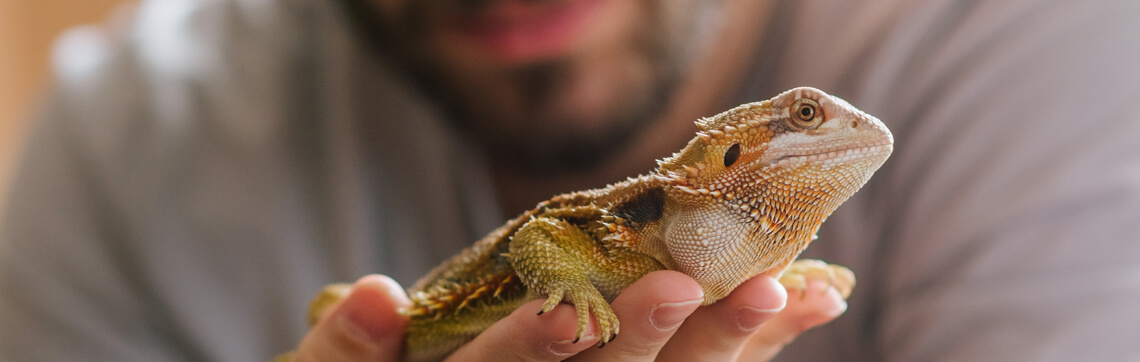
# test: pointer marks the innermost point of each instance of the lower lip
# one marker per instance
(518, 31)
(826, 156)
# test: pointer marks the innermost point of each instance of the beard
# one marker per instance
(561, 114)
(546, 137)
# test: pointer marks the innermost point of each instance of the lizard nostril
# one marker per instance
(854, 124)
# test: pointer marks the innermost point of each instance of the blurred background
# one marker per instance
(27, 31)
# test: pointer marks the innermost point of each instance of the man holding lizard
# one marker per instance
(208, 165)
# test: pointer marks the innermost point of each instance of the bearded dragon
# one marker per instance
(743, 198)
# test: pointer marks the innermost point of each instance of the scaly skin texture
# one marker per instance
(743, 198)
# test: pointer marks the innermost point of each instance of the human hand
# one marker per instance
(364, 326)
(659, 315)
(660, 320)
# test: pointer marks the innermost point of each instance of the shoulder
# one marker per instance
(164, 67)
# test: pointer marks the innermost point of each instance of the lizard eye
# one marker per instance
(806, 114)
(732, 155)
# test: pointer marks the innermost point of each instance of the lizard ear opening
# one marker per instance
(732, 155)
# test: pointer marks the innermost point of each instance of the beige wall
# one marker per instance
(27, 28)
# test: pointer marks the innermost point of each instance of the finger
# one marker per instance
(650, 311)
(720, 331)
(526, 336)
(818, 304)
(365, 326)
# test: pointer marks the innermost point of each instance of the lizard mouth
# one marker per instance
(835, 156)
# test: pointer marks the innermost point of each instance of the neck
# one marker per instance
(709, 87)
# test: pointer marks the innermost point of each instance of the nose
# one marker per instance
(853, 117)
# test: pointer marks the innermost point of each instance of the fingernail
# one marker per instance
(749, 319)
(393, 289)
(570, 348)
(666, 316)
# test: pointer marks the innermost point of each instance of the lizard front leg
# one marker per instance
(560, 261)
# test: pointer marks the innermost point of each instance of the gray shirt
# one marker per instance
(202, 169)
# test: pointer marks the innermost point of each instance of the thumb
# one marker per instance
(365, 326)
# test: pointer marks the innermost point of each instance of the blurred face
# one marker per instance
(547, 85)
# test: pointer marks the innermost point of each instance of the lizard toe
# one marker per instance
(551, 302)
(801, 271)
(591, 302)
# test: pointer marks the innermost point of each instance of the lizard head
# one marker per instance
(759, 179)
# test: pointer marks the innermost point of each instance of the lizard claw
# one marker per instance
(604, 341)
(801, 271)
(585, 303)
(551, 302)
